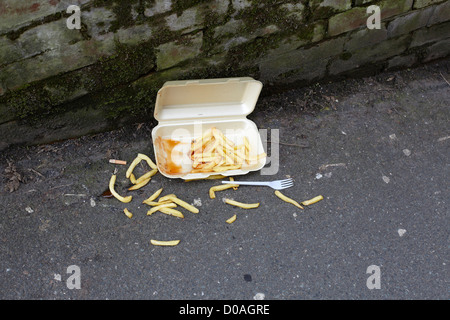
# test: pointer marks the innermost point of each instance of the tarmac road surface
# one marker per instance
(376, 148)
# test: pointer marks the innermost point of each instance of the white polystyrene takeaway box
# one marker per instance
(185, 109)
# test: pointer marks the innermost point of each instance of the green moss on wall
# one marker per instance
(36, 100)
(122, 11)
(257, 16)
(178, 6)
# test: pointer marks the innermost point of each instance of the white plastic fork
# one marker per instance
(277, 184)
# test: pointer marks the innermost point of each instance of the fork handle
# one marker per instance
(247, 183)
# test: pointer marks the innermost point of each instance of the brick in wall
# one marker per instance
(357, 17)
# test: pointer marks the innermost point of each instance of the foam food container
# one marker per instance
(185, 109)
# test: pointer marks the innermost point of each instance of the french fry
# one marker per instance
(137, 160)
(217, 134)
(112, 181)
(200, 170)
(184, 204)
(154, 203)
(230, 156)
(234, 188)
(211, 165)
(287, 199)
(154, 196)
(226, 168)
(228, 148)
(312, 201)
(231, 220)
(247, 144)
(202, 140)
(221, 162)
(242, 205)
(239, 157)
(228, 142)
(213, 177)
(199, 161)
(166, 197)
(133, 164)
(161, 206)
(211, 146)
(128, 213)
(221, 137)
(172, 212)
(228, 159)
(132, 179)
(148, 160)
(139, 185)
(146, 176)
(213, 190)
(254, 158)
(164, 243)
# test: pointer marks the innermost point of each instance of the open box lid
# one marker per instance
(206, 99)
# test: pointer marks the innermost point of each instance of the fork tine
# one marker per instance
(287, 184)
(286, 181)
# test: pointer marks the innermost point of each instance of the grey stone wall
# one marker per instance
(57, 83)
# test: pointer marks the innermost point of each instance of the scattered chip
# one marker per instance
(172, 212)
(183, 204)
(139, 185)
(164, 243)
(234, 188)
(232, 219)
(137, 160)
(167, 197)
(161, 206)
(153, 196)
(154, 203)
(289, 200)
(242, 205)
(128, 213)
(212, 190)
(148, 160)
(133, 164)
(112, 181)
(213, 152)
(312, 201)
(147, 175)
